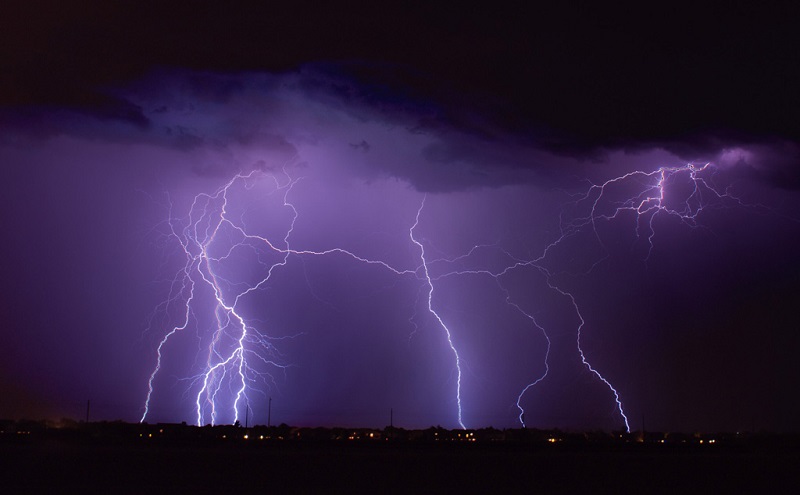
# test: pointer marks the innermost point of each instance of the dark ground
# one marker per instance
(57, 466)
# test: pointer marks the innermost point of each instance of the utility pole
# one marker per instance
(391, 417)
(88, 403)
(644, 435)
(246, 414)
(269, 413)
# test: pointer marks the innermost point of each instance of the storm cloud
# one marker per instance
(489, 134)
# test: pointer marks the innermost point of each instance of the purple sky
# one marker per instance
(500, 122)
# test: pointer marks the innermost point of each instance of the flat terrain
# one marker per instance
(58, 466)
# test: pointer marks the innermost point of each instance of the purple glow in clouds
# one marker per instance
(232, 250)
(345, 255)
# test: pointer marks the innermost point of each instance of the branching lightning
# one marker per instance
(234, 343)
(232, 340)
(645, 195)
(238, 355)
(679, 192)
(435, 314)
(653, 199)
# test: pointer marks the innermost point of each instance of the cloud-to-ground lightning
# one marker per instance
(681, 192)
(449, 336)
(238, 355)
(189, 233)
(232, 339)
(238, 349)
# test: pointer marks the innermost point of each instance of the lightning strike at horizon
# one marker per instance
(509, 302)
(226, 362)
(237, 352)
(354, 232)
(233, 340)
(529, 386)
(647, 200)
(435, 314)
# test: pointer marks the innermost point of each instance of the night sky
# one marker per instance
(321, 172)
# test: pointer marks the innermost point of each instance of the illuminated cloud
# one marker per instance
(678, 278)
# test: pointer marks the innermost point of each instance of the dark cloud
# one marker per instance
(577, 82)
(568, 79)
(445, 144)
(116, 117)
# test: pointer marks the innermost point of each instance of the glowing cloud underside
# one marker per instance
(237, 357)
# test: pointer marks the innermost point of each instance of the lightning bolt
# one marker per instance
(232, 341)
(449, 335)
(652, 199)
(237, 353)
(209, 239)
(645, 195)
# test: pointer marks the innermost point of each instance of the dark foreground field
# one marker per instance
(56, 466)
